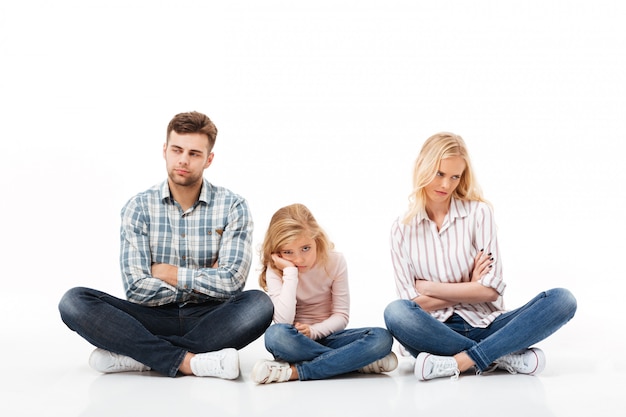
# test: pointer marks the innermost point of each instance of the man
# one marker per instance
(185, 257)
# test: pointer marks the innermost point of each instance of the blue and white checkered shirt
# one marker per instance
(155, 230)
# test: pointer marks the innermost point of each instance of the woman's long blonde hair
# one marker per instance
(437, 147)
(286, 225)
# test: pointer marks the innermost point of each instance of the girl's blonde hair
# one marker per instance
(437, 147)
(286, 225)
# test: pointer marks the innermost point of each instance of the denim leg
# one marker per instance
(418, 331)
(157, 336)
(521, 328)
(339, 353)
(233, 324)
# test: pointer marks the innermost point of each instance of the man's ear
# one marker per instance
(209, 160)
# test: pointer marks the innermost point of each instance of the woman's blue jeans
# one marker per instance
(339, 353)
(161, 336)
(512, 331)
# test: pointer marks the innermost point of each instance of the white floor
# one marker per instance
(47, 375)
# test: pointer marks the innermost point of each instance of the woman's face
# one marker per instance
(446, 180)
(302, 252)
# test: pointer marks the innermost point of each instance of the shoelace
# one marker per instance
(445, 367)
(511, 363)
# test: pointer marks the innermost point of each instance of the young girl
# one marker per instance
(308, 284)
(445, 255)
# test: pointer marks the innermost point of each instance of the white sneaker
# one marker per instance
(221, 364)
(386, 364)
(528, 361)
(108, 362)
(428, 366)
(266, 372)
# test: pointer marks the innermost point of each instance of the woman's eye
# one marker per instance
(306, 249)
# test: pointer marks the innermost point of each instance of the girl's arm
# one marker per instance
(282, 291)
(340, 295)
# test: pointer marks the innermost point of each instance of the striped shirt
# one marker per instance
(420, 251)
(155, 229)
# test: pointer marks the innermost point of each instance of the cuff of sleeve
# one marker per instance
(290, 273)
(185, 279)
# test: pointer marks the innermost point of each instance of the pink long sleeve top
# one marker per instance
(319, 297)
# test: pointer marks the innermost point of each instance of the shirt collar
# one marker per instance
(205, 192)
(457, 210)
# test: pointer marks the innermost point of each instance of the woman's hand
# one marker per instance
(305, 329)
(482, 265)
(281, 263)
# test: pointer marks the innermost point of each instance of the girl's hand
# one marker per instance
(304, 329)
(281, 263)
(482, 265)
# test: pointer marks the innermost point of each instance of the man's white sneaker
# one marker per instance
(528, 361)
(266, 372)
(428, 366)
(108, 362)
(220, 364)
(386, 364)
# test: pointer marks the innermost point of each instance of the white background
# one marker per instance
(325, 103)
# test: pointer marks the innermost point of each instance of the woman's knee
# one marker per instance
(565, 300)
(395, 312)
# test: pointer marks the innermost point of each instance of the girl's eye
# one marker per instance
(306, 249)
(286, 252)
(439, 174)
(456, 177)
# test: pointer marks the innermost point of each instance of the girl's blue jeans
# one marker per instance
(161, 336)
(512, 331)
(339, 353)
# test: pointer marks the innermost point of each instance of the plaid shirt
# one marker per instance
(218, 227)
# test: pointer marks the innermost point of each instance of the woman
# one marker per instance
(308, 283)
(445, 256)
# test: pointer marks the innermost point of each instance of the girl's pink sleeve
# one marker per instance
(282, 291)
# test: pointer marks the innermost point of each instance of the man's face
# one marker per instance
(186, 157)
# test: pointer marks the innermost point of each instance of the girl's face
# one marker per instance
(446, 180)
(302, 252)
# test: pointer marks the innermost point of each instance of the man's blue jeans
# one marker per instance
(161, 336)
(339, 353)
(512, 331)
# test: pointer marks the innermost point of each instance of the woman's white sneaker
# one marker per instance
(428, 366)
(528, 361)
